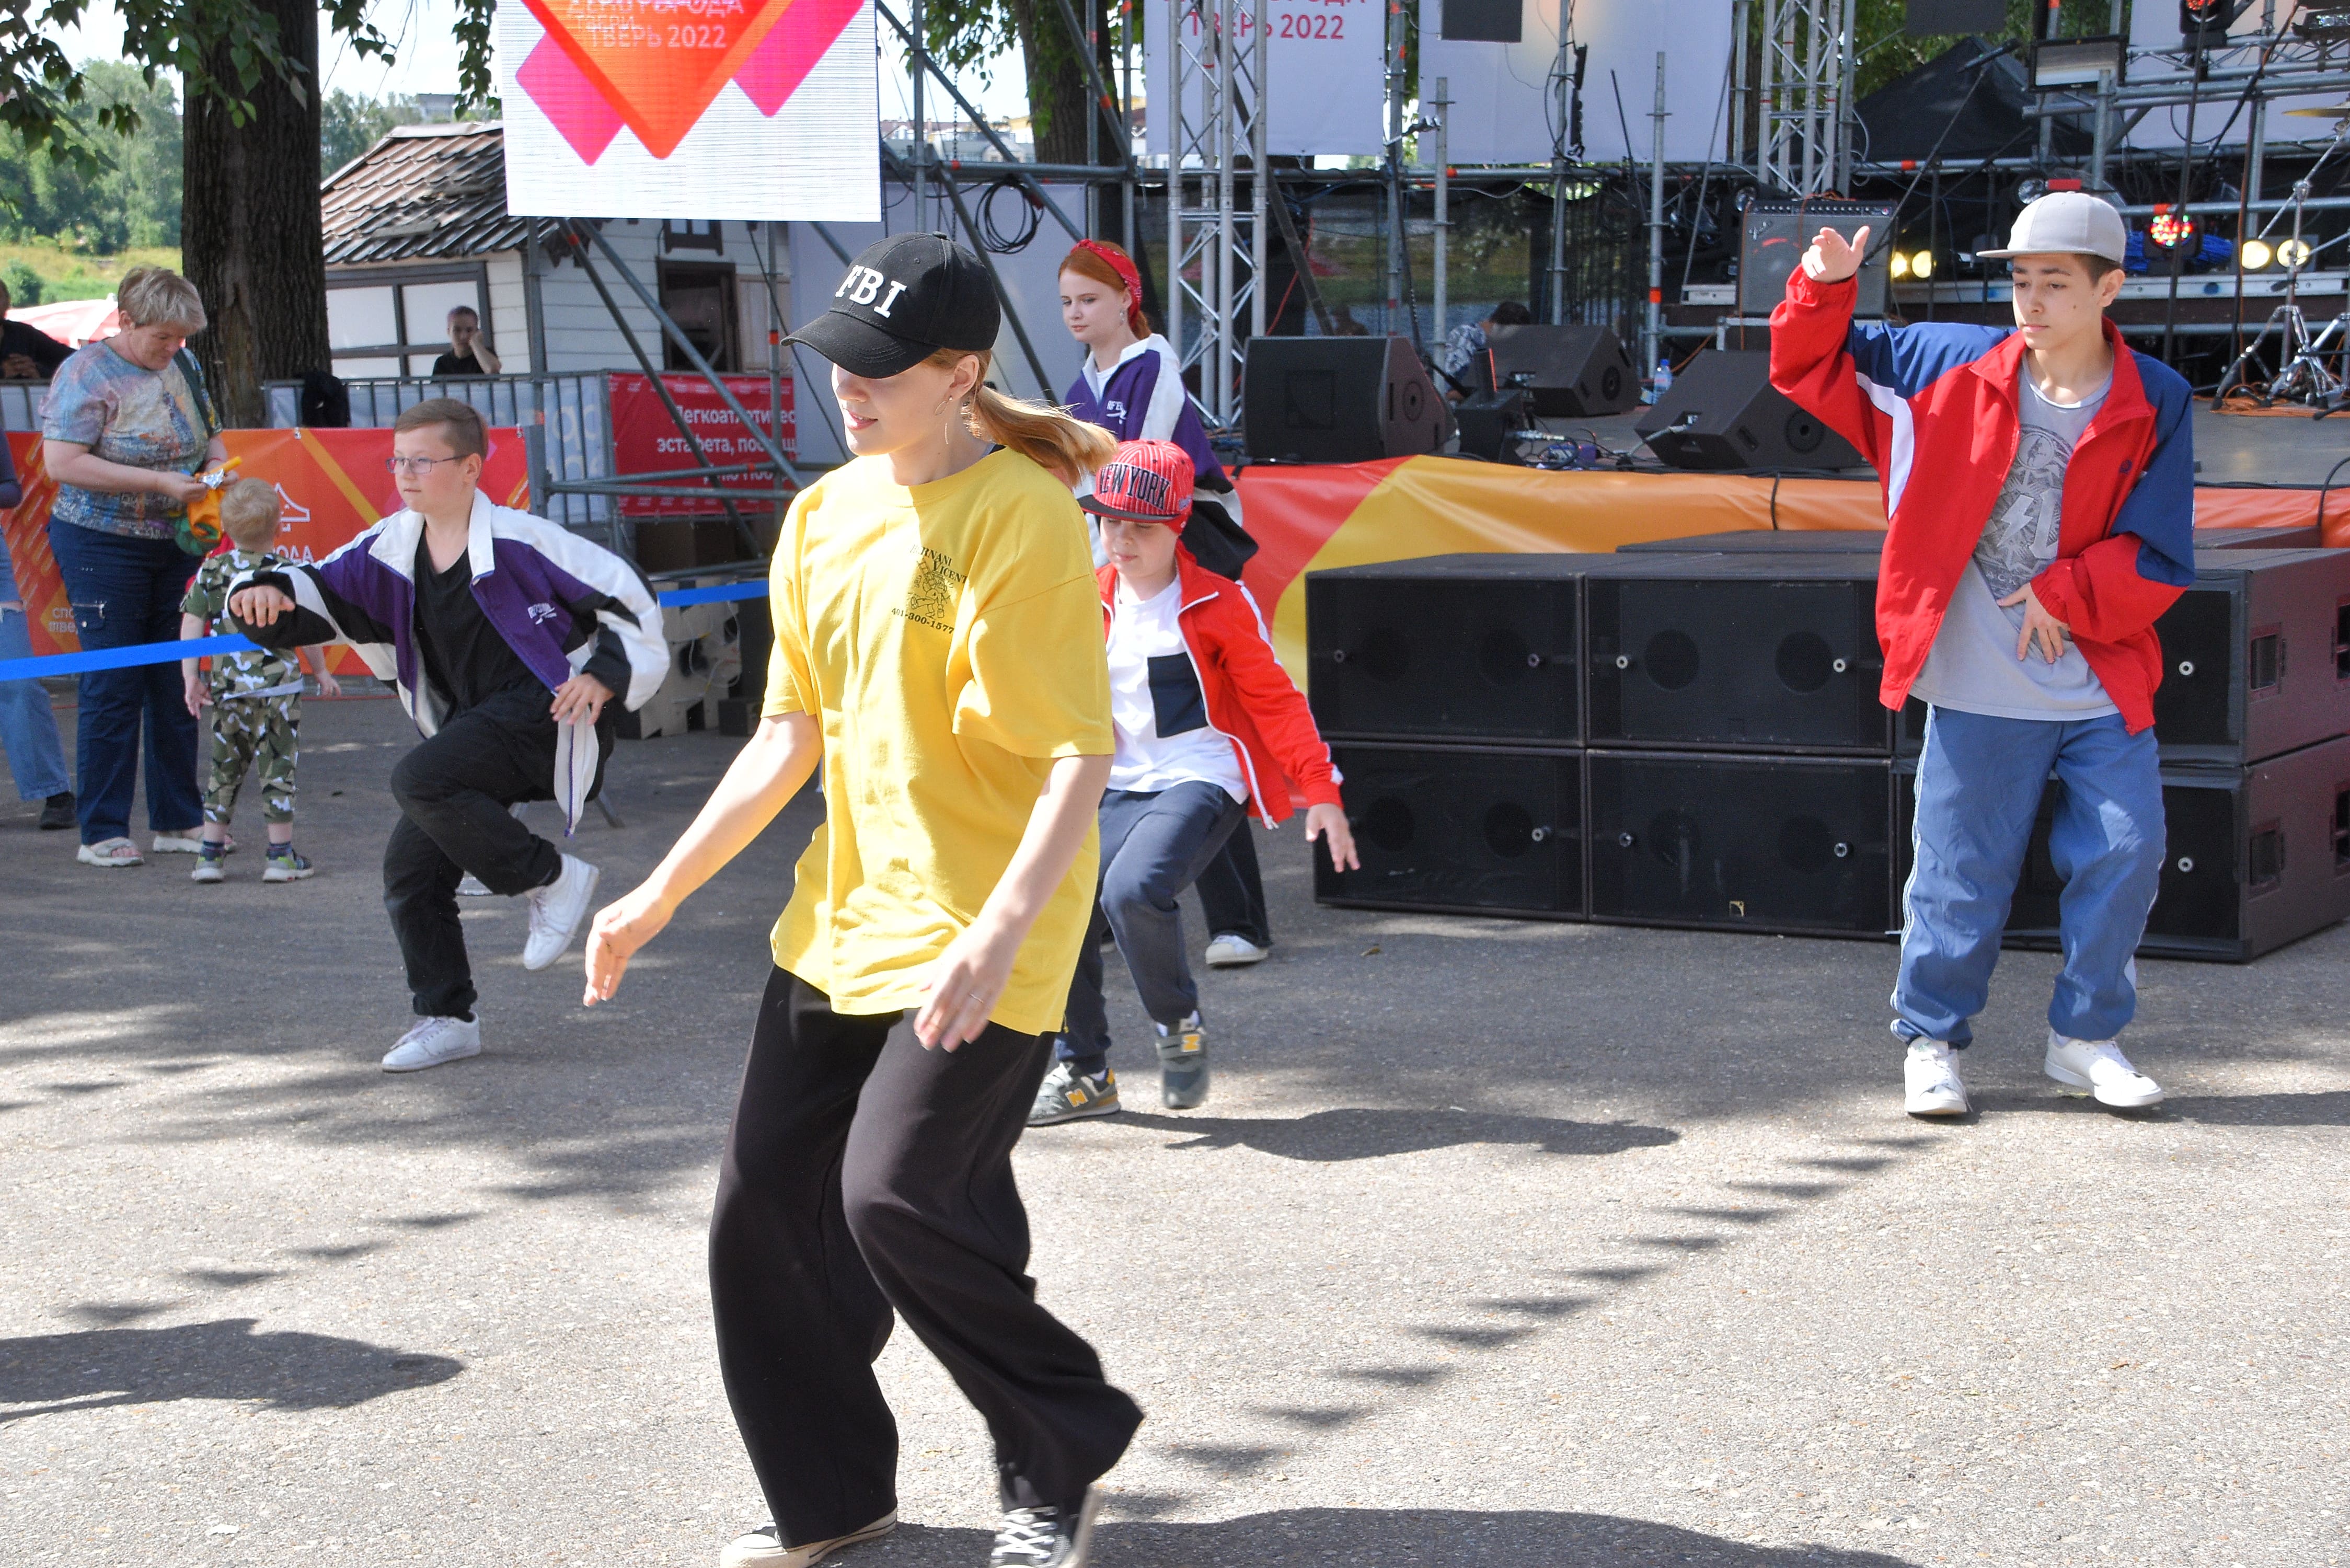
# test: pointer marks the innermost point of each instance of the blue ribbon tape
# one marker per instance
(168, 652)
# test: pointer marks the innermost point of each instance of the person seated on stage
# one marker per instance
(2018, 599)
(256, 697)
(1469, 342)
(27, 353)
(508, 638)
(469, 352)
(1206, 723)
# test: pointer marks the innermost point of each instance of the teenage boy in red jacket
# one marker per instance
(2039, 492)
(1207, 723)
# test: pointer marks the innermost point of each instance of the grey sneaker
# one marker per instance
(1068, 1095)
(1183, 1065)
(209, 865)
(764, 1548)
(1047, 1537)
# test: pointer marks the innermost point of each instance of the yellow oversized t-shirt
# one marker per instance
(947, 640)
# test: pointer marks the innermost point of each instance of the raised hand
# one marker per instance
(259, 606)
(1831, 259)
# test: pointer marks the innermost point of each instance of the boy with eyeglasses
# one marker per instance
(507, 638)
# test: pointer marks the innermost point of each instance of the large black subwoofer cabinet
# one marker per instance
(1454, 647)
(1740, 652)
(1784, 844)
(2256, 656)
(2255, 858)
(1459, 829)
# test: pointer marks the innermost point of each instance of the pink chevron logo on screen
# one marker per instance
(784, 58)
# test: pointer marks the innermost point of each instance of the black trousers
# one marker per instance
(1231, 891)
(454, 791)
(864, 1173)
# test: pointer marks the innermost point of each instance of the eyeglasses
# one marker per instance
(415, 464)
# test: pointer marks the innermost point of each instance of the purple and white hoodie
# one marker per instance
(562, 604)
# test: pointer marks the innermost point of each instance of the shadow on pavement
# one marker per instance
(1376, 1535)
(2325, 1109)
(1353, 1134)
(222, 1360)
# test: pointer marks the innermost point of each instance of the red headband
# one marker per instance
(1128, 274)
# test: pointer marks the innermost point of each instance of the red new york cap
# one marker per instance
(1147, 481)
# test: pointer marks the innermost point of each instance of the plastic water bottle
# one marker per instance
(1663, 383)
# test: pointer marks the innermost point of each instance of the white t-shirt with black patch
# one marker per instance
(1156, 703)
(1973, 666)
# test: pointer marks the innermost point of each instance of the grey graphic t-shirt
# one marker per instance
(1973, 666)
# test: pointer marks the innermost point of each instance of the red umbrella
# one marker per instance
(73, 322)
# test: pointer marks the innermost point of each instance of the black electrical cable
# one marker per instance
(1033, 215)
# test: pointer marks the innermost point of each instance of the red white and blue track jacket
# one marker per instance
(1933, 407)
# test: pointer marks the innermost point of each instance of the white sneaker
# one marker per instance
(179, 842)
(471, 887)
(763, 1547)
(2098, 1067)
(1230, 952)
(434, 1040)
(557, 911)
(111, 852)
(1932, 1073)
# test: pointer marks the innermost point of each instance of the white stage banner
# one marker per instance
(753, 109)
(1325, 91)
(1501, 104)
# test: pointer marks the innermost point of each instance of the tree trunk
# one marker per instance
(1060, 101)
(250, 234)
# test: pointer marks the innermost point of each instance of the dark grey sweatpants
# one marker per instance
(1152, 847)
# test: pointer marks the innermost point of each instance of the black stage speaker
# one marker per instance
(1775, 234)
(1338, 399)
(1794, 542)
(1490, 425)
(2270, 536)
(1573, 372)
(1460, 647)
(1735, 653)
(1763, 844)
(1469, 829)
(2255, 857)
(2256, 656)
(1721, 415)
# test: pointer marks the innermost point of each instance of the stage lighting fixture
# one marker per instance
(2204, 24)
(2324, 21)
(1921, 265)
(2257, 254)
(2293, 253)
(2078, 62)
(1898, 265)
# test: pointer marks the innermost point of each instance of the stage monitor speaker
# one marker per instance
(2268, 536)
(1775, 234)
(1338, 399)
(1735, 653)
(1759, 844)
(1573, 372)
(1721, 415)
(1457, 647)
(1465, 829)
(2253, 857)
(1795, 542)
(2256, 656)
(1490, 425)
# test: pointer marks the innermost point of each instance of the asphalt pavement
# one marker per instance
(1499, 1242)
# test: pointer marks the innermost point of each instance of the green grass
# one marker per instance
(78, 275)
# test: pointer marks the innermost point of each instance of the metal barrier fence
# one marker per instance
(566, 421)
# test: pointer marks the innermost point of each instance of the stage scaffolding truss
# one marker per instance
(1216, 246)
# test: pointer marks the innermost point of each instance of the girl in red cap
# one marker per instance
(1208, 725)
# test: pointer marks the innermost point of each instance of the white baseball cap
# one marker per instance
(2066, 221)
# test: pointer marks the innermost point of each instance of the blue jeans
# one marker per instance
(28, 726)
(125, 591)
(1153, 845)
(1979, 786)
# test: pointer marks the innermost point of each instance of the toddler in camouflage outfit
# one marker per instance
(256, 697)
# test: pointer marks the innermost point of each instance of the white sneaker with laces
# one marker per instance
(1233, 951)
(179, 842)
(1930, 1071)
(113, 853)
(2098, 1067)
(434, 1040)
(557, 911)
(763, 1547)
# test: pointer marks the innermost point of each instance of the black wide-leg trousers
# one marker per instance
(864, 1173)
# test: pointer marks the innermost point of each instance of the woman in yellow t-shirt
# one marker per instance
(938, 646)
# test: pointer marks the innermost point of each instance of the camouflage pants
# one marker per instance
(258, 732)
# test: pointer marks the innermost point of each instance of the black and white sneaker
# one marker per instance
(1047, 1537)
(1067, 1095)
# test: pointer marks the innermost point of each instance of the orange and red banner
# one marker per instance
(1312, 517)
(333, 485)
(645, 439)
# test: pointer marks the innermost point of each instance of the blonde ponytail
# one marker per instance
(1065, 447)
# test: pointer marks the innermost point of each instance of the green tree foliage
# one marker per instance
(24, 284)
(1888, 52)
(351, 124)
(128, 194)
